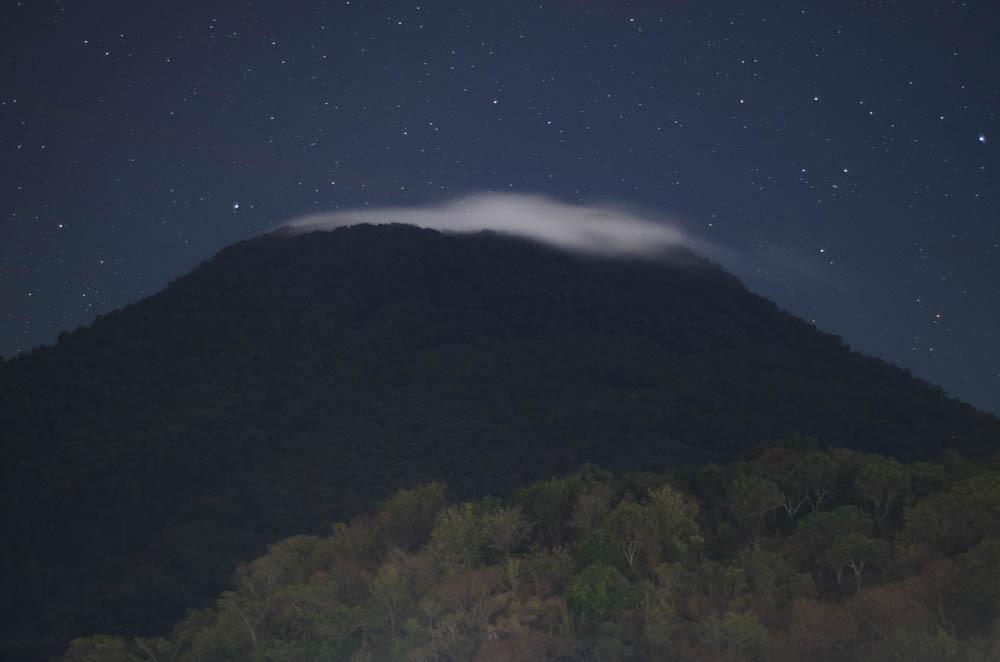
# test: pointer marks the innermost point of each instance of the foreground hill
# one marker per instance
(291, 380)
(796, 555)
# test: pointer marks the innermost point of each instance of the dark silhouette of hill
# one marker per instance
(291, 380)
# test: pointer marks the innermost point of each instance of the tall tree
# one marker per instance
(751, 499)
(856, 551)
(882, 484)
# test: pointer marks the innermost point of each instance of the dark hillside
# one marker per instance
(291, 380)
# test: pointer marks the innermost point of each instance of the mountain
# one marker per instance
(293, 379)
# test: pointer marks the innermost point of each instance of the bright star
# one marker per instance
(982, 138)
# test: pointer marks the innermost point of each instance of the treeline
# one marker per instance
(794, 553)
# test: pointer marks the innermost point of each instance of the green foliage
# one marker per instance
(662, 623)
(602, 547)
(927, 477)
(459, 536)
(634, 531)
(818, 530)
(856, 551)
(550, 504)
(738, 636)
(591, 509)
(787, 469)
(407, 518)
(882, 484)
(549, 577)
(547, 571)
(715, 587)
(597, 593)
(955, 519)
(390, 597)
(674, 516)
(773, 583)
(505, 529)
(976, 589)
(818, 472)
(914, 645)
(468, 534)
(750, 500)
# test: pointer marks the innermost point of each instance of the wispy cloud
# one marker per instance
(601, 230)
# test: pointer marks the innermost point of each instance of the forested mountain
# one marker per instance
(292, 380)
(797, 554)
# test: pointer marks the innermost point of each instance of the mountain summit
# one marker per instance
(293, 379)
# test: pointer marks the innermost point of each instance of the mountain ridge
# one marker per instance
(292, 379)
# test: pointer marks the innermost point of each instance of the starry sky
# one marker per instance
(845, 153)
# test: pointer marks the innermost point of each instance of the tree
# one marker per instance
(944, 520)
(309, 615)
(751, 499)
(715, 587)
(633, 528)
(547, 571)
(638, 587)
(601, 547)
(661, 621)
(473, 594)
(927, 477)
(976, 588)
(257, 584)
(225, 639)
(955, 520)
(505, 528)
(597, 593)
(709, 485)
(390, 594)
(819, 472)
(458, 538)
(802, 476)
(855, 551)
(773, 583)
(591, 508)
(917, 645)
(674, 515)
(407, 518)
(783, 467)
(882, 484)
(738, 636)
(356, 541)
(818, 530)
(550, 504)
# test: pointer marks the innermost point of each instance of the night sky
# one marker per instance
(844, 152)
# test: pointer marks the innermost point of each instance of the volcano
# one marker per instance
(293, 379)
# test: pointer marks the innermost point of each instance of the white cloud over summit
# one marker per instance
(601, 230)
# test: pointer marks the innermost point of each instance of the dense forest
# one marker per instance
(291, 381)
(792, 553)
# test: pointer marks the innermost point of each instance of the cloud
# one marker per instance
(599, 230)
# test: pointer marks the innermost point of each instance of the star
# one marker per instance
(982, 138)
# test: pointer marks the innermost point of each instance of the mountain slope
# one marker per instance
(292, 379)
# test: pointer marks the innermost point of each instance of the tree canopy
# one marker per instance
(592, 566)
